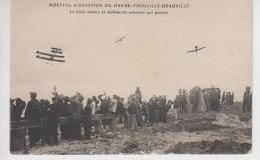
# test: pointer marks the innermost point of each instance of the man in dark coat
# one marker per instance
(232, 98)
(87, 119)
(215, 99)
(53, 120)
(105, 102)
(162, 109)
(176, 105)
(246, 100)
(103, 108)
(194, 99)
(17, 138)
(132, 109)
(138, 94)
(75, 115)
(45, 104)
(154, 111)
(120, 110)
(65, 128)
(94, 98)
(17, 109)
(184, 102)
(33, 114)
(223, 98)
(250, 101)
(145, 110)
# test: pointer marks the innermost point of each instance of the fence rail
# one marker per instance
(23, 124)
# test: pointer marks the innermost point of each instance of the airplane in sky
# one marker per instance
(51, 57)
(120, 40)
(196, 49)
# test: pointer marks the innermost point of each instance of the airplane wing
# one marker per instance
(56, 52)
(57, 60)
(43, 58)
(201, 48)
(55, 48)
(49, 54)
(191, 51)
(49, 59)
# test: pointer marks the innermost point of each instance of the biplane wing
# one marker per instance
(56, 52)
(50, 59)
(57, 49)
(58, 60)
(49, 54)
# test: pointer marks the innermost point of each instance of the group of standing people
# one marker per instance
(197, 100)
(132, 112)
(153, 111)
(61, 106)
(227, 98)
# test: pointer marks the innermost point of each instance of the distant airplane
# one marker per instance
(51, 56)
(196, 49)
(120, 40)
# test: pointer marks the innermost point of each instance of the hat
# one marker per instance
(66, 98)
(80, 97)
(89, 100)
(33, 94)
(115, 96)
(19, 100)
(59, 98)
(46, 102)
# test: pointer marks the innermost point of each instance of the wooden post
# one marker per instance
(98, 126)
(17, 140)
(114, 124)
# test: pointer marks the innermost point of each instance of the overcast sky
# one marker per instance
(152, 55)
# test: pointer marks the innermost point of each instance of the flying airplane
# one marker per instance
(196, 49)
(51, 57)
(120, 40)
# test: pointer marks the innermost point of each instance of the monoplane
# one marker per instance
(120, 40)
(196, 49)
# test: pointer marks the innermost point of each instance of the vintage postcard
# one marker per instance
(130, 77)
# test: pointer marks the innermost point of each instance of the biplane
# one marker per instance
(51, 57)
(196, 49)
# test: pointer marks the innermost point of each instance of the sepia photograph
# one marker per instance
(131, 77)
